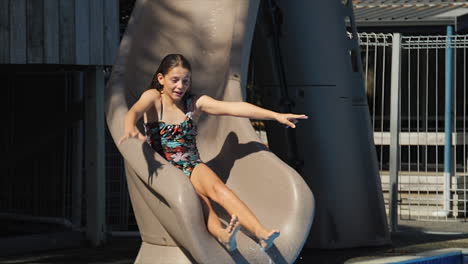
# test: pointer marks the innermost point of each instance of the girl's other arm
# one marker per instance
(146, 100)
(243, 109)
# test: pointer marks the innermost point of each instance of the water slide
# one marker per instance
(215, 35)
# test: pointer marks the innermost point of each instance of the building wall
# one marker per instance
(72, 32)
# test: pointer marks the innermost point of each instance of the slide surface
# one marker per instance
(215, 36)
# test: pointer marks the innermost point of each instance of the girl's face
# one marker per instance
(175, 83)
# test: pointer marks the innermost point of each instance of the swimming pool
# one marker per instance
(448, 258)
(441, 256)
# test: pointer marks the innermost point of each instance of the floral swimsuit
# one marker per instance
(176, 142)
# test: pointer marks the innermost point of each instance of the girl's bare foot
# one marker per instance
(228, 235)
(266, 238)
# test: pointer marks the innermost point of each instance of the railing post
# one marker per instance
(77, 167)
(394, 131)
(448, 120)
(95, 157)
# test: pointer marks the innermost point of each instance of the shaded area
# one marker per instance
(118, 250)
(124, 250)
(231, 151)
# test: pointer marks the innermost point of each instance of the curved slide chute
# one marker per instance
(215, 36)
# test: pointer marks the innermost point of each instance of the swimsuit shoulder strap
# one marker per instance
(162, 110)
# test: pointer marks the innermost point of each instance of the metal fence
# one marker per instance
(425, 192)
(44, 185)
(36, 182)
(119, 212)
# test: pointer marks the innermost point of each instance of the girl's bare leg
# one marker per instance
(208, 184)
(226, 236)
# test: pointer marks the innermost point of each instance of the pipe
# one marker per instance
(395, 102)
(448, 119)
(125, 234)
(38, 219)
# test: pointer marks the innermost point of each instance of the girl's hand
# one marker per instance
(133, 133)
(289, 119)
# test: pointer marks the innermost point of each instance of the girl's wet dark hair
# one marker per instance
(168, 63)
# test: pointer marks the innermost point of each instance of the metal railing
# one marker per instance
(424, 191)
(119, 212)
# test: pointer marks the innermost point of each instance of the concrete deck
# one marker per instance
(412, 238)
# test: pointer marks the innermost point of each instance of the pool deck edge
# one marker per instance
(411, 257)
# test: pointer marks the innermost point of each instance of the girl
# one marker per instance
(170, 112)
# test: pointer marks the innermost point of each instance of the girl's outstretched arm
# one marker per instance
(146, 100)
(243, 109)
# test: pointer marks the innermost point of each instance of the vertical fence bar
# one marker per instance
(448, 119)
(426, 122)
(367, 65)
(465, 143)
(394, 131)
(454, 182)
(437, 111)
(419, 201)
(408, 123)
(382, 101)
(374, 90)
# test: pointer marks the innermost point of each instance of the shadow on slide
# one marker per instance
(215, 36)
